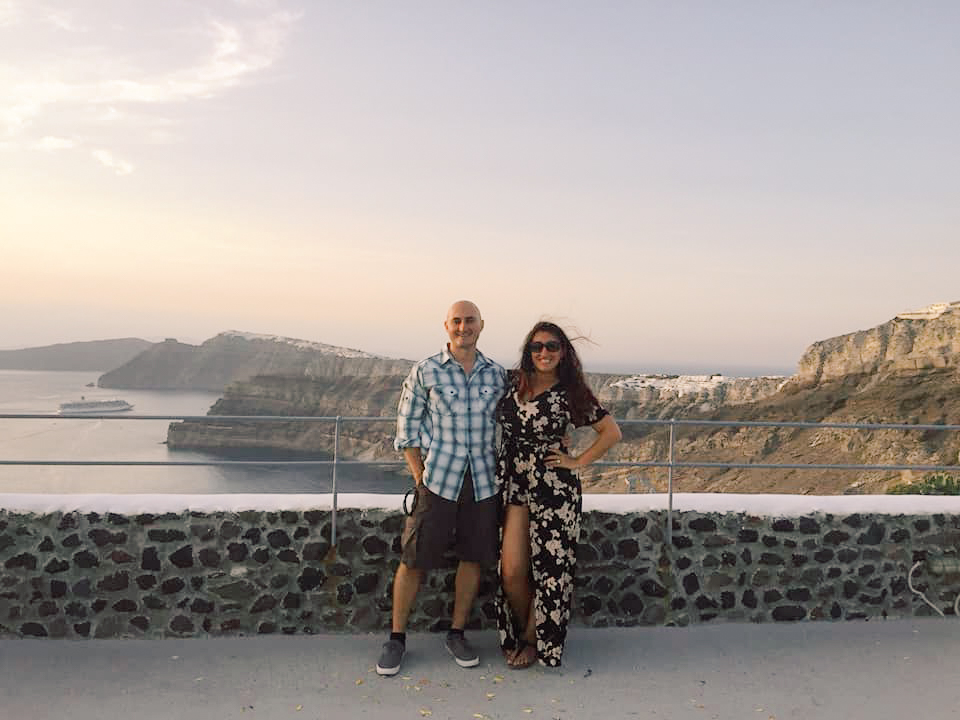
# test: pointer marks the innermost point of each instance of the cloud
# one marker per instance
(93, 83)
(105, 158)
(237, 53)
(52, 144)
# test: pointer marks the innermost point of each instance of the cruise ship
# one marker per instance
(94, 407)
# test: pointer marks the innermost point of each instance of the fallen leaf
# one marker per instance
(528, 710)
(491, 696)
(299, 708)
(360, 681)
(425, 712)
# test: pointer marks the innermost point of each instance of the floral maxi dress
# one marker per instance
(553, 496)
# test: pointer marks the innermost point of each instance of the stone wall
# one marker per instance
(83, 573)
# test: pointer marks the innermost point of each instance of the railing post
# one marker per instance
(336, 459)
(670, 488)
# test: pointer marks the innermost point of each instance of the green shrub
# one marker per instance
(937, 483)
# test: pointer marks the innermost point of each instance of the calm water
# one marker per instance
(135, 440)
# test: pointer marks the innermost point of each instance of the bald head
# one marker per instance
(463, 308)
(463, 325)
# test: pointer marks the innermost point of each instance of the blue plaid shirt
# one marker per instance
(450, 417)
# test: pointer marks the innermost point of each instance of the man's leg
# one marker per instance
(465, 592)
(476, 543)
(406, 583)
(418, 552)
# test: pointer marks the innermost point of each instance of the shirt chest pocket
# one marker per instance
(488, 395)
(446, 399)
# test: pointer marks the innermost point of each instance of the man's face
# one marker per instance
(463, 325)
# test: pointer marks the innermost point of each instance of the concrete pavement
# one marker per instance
(887, 670)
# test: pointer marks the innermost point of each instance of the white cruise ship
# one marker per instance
(94, 407)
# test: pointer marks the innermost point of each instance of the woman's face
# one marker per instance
(546, 351)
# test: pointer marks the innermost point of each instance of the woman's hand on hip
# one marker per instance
(558, 458)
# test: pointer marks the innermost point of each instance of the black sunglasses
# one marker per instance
(550, 345)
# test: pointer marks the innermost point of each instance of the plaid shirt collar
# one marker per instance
(447, 357)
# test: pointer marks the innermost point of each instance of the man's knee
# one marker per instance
(407, 575)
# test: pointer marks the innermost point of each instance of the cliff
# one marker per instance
(666, 396)
(918, 340)
(299, 395)
(905, 371)
(92, 356)
(233, 356)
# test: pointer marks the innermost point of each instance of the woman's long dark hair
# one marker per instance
(569, 372)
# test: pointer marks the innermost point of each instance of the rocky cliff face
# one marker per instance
(231, 357)
(299, 395)
(665, 396)
(918, 397)
(929, 338)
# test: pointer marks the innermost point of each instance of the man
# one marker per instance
(445, 428)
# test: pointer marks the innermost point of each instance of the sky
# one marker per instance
(690, 186)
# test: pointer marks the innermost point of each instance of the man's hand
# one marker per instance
(414, 459)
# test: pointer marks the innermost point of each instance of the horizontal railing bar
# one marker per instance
(819, 466)
(792, 424)
(190, 418)
(200, 463)
(621, 421)
(321, 463)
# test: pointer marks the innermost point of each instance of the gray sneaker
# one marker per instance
(390, 657)
(462, 651)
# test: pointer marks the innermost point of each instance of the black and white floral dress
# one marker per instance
(553, 496)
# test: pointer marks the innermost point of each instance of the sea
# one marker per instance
(124, 439)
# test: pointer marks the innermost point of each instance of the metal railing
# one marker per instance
(670, 464)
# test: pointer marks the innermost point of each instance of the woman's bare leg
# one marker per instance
(515, 563)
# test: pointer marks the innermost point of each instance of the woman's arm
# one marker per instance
(608, 435)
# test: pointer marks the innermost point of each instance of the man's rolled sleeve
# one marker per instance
(411, 411)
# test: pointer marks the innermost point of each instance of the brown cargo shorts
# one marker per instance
(436, 525)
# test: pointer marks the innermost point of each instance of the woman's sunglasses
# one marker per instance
(550, 345)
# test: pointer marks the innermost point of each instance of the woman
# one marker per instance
(541, 493)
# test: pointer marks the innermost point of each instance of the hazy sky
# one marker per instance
(710, 185)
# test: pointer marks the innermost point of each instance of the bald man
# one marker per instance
(445, 428)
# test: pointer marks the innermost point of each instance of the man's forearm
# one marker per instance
(414, 459)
